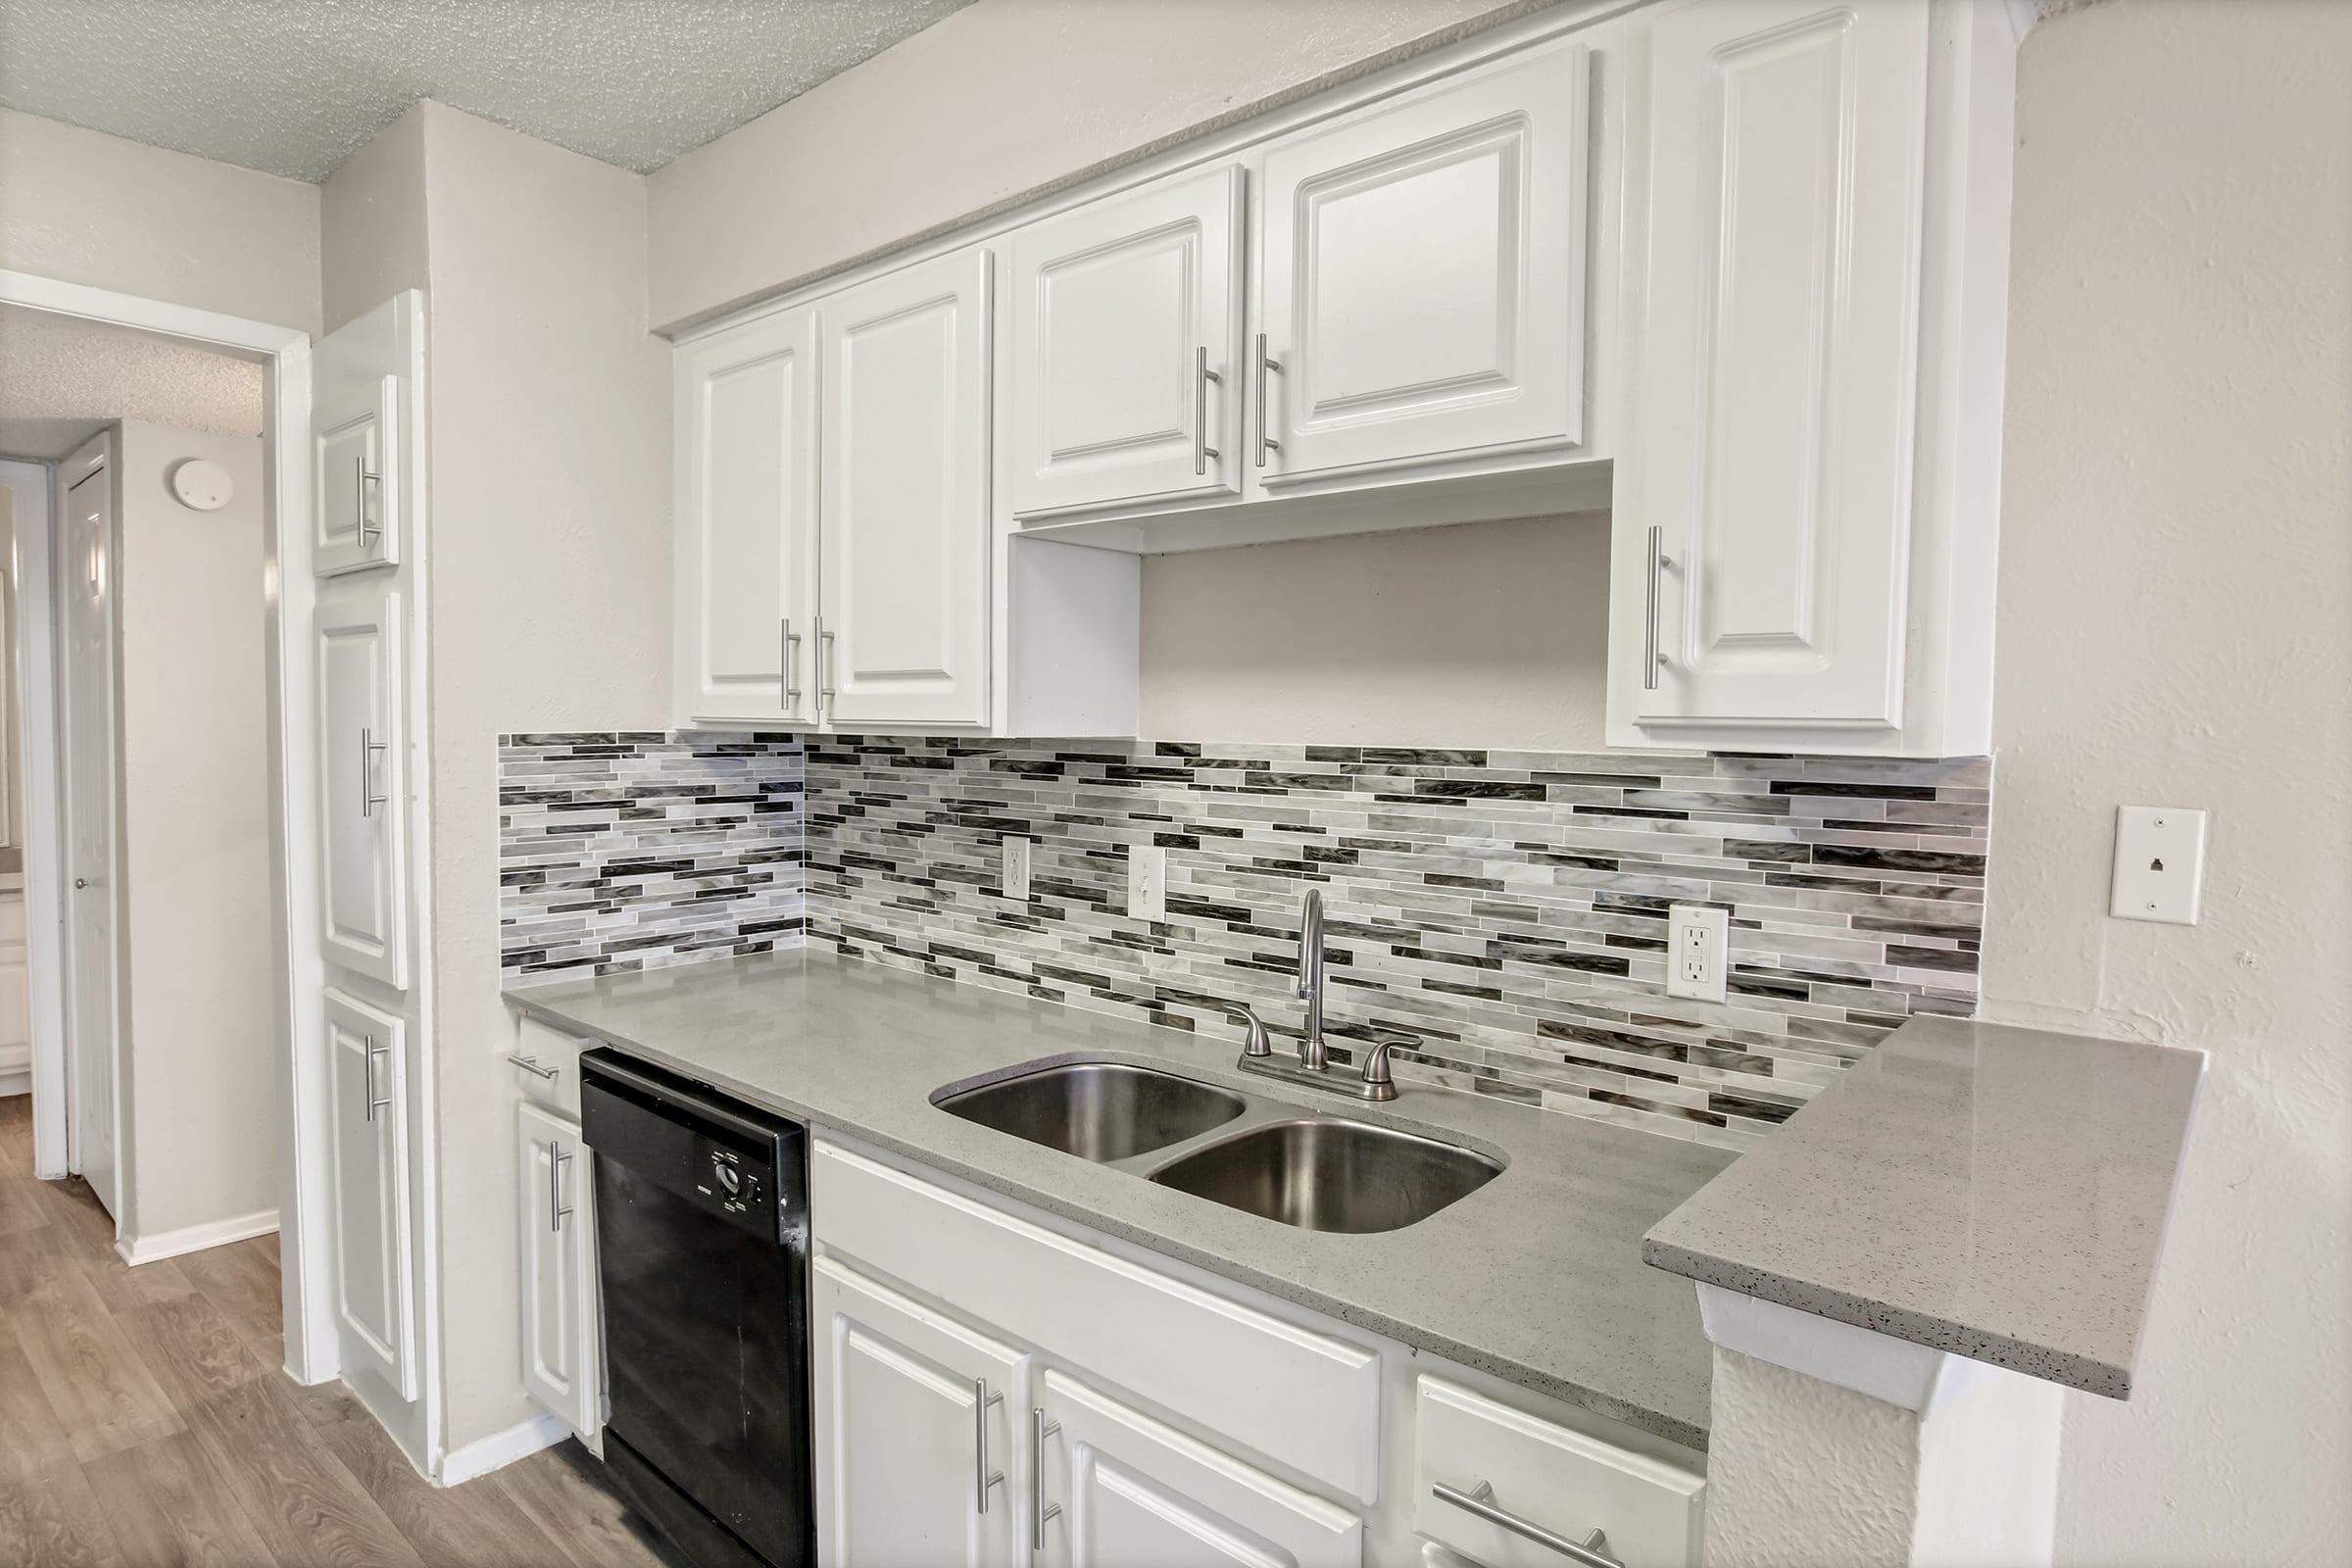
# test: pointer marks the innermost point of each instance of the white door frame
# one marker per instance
(305, 1208)
(38, 760)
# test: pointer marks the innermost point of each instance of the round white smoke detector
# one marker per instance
(202, 484)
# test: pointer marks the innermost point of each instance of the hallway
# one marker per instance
(144, 1419)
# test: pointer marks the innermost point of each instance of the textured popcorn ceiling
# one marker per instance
(61, 380)
(295, 86)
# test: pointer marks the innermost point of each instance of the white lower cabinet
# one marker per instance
(1124, 1489)
(562, 1364)
(992, 1381)
(919, 1420)
(368, 1146)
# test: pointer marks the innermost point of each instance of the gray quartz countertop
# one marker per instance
(1536, 1277)
(1995, 1191)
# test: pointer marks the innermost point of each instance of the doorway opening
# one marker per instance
(147, 488)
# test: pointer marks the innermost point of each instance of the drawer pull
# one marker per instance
(1592, 1551)
(1039, 1428)
(530, 1066)
(983, 1477)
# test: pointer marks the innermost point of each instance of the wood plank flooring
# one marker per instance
(145, 1420)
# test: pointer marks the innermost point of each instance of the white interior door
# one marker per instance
(1132, 1491)
(905, 540)
(1126, 348)
(1774, 478)
(362, 805)
(914, 1412)
(1423, 276)
(746, 583)
(559, 1280)
(368, 1065)
(85, 573)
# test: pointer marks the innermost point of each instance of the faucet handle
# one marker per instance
(1378, 1084)
(1257, 1044)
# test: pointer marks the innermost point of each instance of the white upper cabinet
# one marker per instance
(362, 425)
(363, 801)
(904, 528)
(1804, 527)
(1125, 338)
(745, 574)
(1422, 275)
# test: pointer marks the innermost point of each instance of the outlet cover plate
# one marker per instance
(1698, 950)
(2159, 863)
(1017, 868)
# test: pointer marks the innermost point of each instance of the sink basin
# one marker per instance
(1331, 1175)
(1099, 1110)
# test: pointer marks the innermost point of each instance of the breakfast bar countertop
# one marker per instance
(1995, 1191)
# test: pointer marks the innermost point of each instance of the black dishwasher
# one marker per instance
(701, 1230)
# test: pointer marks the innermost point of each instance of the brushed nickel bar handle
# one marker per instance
(1265, 361)
(368, 747)
(531, 1064)
(1589, 1553)
(1203, 377)
(1039, 1428)
(374, 1105)
(1659, 560)
(558, 1210)
(368, 533)
(983, 1477)
(824, 669)
(792, 663)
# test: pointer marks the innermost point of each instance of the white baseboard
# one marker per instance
(16, 1082)
(502, 1449)
(137, 1250)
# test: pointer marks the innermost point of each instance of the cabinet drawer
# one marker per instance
(1550, 1477)
(1299, 1398)
(556, 1056)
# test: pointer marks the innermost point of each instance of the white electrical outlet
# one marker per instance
(1017, 868)
(1147, 882)
(1697, 942)
(2159, 863)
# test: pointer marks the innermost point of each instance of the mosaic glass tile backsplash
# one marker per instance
(635, 849)
(1503, 910)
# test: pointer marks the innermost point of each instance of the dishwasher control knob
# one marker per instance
(728, 1182)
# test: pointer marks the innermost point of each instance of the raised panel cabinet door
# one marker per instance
(367, 1068)
(1771, 497)
(361, 375)
(558, 1314)
(746, 566)
(1123, 1489)
(921, 1432)
(1423, 276)
(1126, 348)
(903, 546)
(362, 800)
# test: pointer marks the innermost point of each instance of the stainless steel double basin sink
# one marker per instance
(1314, 1171)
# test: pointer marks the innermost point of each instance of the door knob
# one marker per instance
(82, 881)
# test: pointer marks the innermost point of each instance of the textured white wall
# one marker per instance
(996, 103)
(2174, 582)
(550, 502)
(1485, 634)
(1803, 1471)
(93, 209)
(199, 1080)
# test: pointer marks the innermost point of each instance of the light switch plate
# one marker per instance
(1147, 882)
(1017, 868)
(1697, 944)
(2159, 863)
